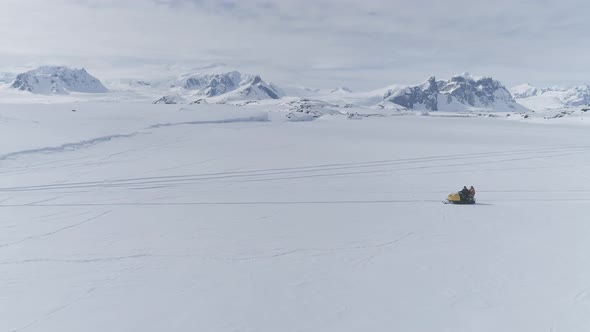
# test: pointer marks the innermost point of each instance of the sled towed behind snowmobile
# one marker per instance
(455, 198)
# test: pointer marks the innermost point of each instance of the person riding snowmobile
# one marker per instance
(464, 193)
(464, 196)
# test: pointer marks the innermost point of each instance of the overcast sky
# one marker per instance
(363, 44)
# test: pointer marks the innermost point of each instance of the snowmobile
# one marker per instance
(455, 198)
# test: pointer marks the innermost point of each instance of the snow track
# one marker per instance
(293, 173)
(102, 139)
(66, 146)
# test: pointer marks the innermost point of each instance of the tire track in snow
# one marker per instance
(222, 203)
(44, 200)
(403, 169)
(89, 260)
(54, 311)
(343, 202)
(312, 250)
(35, 237)
(326, 170)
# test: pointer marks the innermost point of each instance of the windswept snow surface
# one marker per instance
(122, 217)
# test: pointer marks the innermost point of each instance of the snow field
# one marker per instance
(234, 219)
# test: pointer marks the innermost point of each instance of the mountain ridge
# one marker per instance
(62, 80)
(460, 92)
(553, 97)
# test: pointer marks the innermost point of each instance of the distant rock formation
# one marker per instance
(460, 92)
(58, 80)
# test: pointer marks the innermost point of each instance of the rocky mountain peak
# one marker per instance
(457, 93)
(58, 80)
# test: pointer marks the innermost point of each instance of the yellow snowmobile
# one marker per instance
(455, 198)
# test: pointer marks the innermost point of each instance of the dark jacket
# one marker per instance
(464, 192)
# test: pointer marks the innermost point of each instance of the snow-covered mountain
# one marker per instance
(551, 98)
(341, 90)
(138, 84)
(6, 77)
(222, 84)
(424, 95)
(460, 92)
(171, 99)
(524, 91)
(58, 80)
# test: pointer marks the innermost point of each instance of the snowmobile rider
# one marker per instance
(464, 193)
(471, 192)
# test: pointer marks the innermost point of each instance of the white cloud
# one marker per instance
(364, 44)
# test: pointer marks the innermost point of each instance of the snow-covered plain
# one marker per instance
(131, 217)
